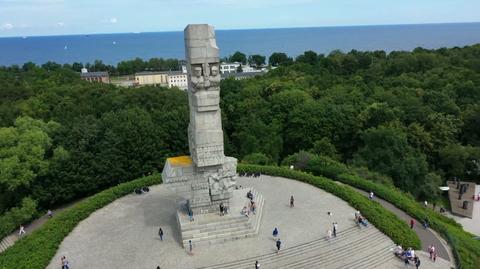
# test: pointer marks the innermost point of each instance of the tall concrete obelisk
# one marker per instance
(205, 178)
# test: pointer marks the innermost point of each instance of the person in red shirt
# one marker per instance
(412, 223)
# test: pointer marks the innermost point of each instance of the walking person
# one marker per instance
(292, 201)
(412, 223)
(370, 195)
(190, 247)
(406, 262)
(329, 235)
(257, 265)
(65, 263)
(160, 233)
(49, 213)
(278, 244)
(275, 233)
(335, 227)
(21, 231)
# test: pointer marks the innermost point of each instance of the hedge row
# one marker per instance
(384, 220)
(37, 249)
(464, 247)
(17, 216)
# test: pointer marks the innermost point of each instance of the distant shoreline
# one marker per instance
(113, 48)
(246, 29)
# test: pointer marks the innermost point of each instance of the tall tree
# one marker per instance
(238, 57)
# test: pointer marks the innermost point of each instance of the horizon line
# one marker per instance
(247, 29)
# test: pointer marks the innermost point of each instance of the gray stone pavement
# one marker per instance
(124, 233)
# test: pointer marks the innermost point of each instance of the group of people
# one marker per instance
(251, 207)
(360, 220)
(21, 229)
(248, 174)
(408, 256)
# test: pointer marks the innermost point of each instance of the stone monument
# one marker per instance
(206, 178)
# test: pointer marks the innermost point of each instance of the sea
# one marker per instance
(113, 48)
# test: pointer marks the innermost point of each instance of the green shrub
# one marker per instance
(17, 216)
(299, 160)
(384, 220)
(37, 249)
(257, 158)
(322, 165)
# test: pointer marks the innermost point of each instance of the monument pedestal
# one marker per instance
(212, 228)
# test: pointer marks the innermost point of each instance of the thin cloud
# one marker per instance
(61, 24)
(113, 20)
(6, 26)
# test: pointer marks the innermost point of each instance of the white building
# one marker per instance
(177, 79)
(230, 68)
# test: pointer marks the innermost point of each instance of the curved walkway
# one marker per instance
(10, 240)
(427, 236)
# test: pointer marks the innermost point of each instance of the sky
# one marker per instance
(63, 17)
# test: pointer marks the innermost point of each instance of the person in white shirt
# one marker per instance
(21, 231)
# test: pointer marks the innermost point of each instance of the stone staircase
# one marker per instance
(7, 242)
(213, 229)
(352, 248)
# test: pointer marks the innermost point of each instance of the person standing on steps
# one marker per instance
(292, 201)
(329, 235)
(335, 227)
(160, 233)
(190, 215)
(190, 247)
(279, 244)
(257, 265)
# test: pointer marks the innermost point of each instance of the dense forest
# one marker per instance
(411, 116)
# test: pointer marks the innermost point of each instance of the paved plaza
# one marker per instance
(124, 234)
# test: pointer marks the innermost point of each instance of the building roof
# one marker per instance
(149, 73)
(242, 74)
(175, 73)
(94, 74)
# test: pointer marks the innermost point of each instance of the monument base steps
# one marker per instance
(353, 247)
(212, 228)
